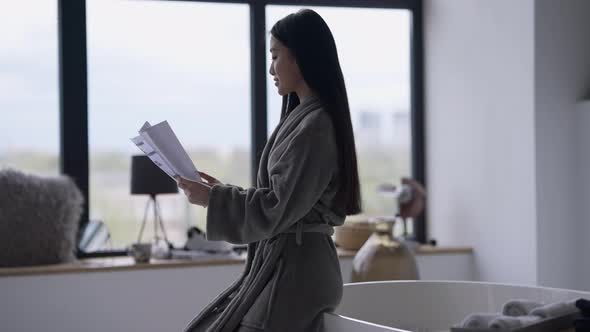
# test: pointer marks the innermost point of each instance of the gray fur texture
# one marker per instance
(38, 218)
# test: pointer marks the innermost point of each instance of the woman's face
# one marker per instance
(283, 68)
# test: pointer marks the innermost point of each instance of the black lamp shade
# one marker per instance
(147, 178)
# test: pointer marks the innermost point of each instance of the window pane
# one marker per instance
(187, 63)
(29, 139)
(374, 54)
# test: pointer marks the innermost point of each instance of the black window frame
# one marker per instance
(73, 89)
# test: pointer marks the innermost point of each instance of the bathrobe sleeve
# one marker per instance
(298, 177)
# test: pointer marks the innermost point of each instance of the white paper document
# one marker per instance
(159, 142)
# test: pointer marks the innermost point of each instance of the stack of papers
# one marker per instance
(160, 144)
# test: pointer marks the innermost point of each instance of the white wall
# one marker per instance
(142, 300)
(562, 77)
(508, 143)
(480, 132)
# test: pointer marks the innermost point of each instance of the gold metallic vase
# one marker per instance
(383, 257)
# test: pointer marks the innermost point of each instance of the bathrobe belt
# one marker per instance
(301, 227)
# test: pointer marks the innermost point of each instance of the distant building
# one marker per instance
(380, 129)
(368, 129)
(401, 134)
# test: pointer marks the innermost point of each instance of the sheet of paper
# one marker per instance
(149, 151)
(160, 144)
(168, 146)
(145, 126)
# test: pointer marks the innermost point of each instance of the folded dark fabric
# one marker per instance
(582, 324)
(584, 306)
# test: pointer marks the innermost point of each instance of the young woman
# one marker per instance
(307, 183)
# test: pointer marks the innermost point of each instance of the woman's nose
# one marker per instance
(271, 70)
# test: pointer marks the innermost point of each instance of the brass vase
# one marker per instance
(383, 257)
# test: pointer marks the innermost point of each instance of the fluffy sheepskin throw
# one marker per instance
(38, 218)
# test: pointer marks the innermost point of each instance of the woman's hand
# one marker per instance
(196, 192)
(210, 180)
(414, 207)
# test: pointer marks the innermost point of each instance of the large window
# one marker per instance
(184, 62)
(374, 54)
(201, 66)
(29, 135)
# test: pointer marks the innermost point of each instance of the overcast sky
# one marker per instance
(188, 63)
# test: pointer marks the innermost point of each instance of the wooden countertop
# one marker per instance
(127, 263)
(422, 250)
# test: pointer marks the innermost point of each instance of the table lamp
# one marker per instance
(149, 179)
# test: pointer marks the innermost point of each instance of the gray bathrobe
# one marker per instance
(292, 273)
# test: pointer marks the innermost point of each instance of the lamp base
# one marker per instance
(161, 246)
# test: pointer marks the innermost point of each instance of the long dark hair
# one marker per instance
(309, 39)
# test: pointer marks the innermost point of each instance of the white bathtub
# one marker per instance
(427, 305)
